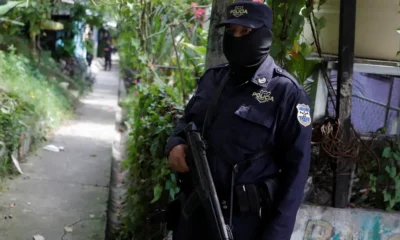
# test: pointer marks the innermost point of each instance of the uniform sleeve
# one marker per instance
(294, 143)
(176, 137)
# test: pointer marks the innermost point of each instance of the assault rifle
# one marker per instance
(203, 189)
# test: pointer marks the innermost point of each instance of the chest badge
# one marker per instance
(263, 96)
(303, 114)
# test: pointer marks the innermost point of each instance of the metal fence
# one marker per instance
(375, 103)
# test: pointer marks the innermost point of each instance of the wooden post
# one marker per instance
(342, 176)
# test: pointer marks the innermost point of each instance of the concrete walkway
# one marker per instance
(64, 195)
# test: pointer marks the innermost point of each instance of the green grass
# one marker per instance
(28, 85)
(27, 98)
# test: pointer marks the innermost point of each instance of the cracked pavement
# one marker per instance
(68, 188)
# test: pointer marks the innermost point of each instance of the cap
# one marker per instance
(248, 14)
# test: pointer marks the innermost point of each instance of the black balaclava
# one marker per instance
(245, 54)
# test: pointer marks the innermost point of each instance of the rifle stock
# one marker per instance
(204, 192)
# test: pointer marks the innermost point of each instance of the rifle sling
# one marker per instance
(212, 107)
(193, 200)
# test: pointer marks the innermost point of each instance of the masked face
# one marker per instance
(249, 49)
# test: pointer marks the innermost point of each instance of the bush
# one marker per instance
(18, 77)
(11, 127)
(384, 178)
(27, 99)
(150, 110)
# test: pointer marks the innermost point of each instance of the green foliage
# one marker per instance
(387, 179)
(94, 18)
(287, 48)
(150, 115)
(32, 13)
(21, 78)
(35, 15)
(30, 80)
(147, 32)
(28, 102)
(89, 46)
(66, 49)
(12, 125)
(148, 47)
(4, 8)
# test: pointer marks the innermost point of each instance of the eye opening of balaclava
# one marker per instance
(247, 51)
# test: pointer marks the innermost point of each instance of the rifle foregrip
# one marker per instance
(203, 183)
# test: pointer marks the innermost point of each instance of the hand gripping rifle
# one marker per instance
(204, 192)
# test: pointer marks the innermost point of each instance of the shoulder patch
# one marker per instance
(303, 114)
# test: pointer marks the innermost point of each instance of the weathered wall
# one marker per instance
(321, 223)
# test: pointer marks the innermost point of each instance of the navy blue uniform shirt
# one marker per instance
(269, 113)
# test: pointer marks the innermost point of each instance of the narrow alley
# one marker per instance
(63, 195)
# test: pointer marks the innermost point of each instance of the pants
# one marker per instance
(107, 58)
(89, 58)
(195, 228)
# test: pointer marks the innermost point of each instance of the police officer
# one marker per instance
(262, 127)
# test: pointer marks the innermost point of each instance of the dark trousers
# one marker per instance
(107, 58)
(89, 58)
(195, 228)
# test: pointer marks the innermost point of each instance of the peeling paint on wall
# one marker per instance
(321, 223)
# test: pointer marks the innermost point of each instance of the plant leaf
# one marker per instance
(199, 49)
(396, 155)
(11, 21)
(387, 152)
(157, 193)
(8, 6)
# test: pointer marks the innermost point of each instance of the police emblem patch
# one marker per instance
(303, 114)
(263, 96)
(238, 11)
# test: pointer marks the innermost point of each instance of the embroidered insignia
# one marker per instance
(262, 80)
(303, 114)
(263, 96)
(238, 11)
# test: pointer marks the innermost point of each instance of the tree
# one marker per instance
(215, 54)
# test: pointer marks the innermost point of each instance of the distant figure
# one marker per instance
(106, 36)
(89, 51)
(107, 55)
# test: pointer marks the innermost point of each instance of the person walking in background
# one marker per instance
(89, 51)
(107, 55)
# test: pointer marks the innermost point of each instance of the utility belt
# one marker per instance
(251, 199)
(248, 199)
